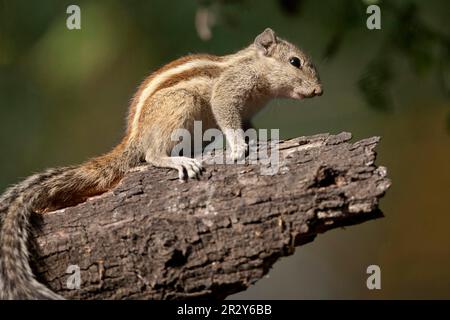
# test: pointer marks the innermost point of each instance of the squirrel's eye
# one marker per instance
(295, 62)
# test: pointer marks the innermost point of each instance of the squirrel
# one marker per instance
(220, 91)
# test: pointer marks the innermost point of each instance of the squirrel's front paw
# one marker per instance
(239, 151)
(236, 145)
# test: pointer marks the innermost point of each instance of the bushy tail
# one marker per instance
(55, 188)
(16, 278)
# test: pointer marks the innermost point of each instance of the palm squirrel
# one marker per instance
(220, 91)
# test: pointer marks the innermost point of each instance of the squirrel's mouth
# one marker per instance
(299, 95)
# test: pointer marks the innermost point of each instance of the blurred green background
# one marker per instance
(64, 96)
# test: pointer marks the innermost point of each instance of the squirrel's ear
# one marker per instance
(265, 40)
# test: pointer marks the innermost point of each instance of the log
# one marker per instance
(154, 237)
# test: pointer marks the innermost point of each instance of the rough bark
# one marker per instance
(154, 237)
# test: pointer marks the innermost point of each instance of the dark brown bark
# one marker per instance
(154, 237)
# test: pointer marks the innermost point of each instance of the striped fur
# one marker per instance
(178, 70)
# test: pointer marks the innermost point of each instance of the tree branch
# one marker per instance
(154, 237)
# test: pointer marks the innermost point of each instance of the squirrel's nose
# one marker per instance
(318, 91)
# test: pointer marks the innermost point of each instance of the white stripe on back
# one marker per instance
(160, 78)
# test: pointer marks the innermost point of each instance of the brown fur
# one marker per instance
(166, 67)
(210, 72)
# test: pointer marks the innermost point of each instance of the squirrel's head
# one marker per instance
(289, 72)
